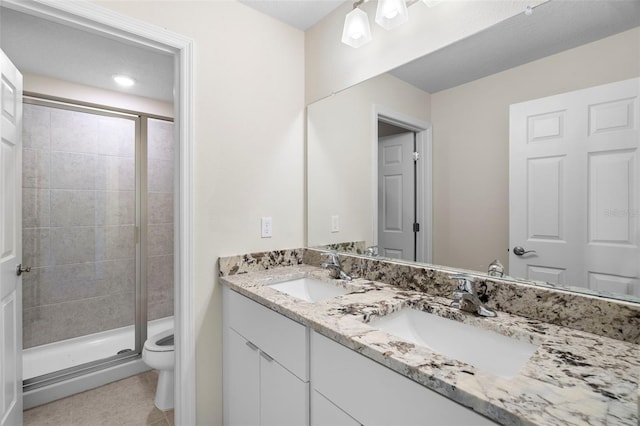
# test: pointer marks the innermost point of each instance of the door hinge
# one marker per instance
(416, 227)
(416, 156)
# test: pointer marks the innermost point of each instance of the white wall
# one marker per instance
(339, 151)
(64, 89)
(332, 66)
(471, 143)
(249, 133)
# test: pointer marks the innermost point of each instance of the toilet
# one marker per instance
(158, 353)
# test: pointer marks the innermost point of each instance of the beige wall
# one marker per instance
(332, 66)
(249, 106)
(471, 143)
(339, 155)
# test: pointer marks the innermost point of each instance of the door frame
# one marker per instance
(424, 179)
(101, 21)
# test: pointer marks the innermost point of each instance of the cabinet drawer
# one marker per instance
(376, 395)
(283, 339)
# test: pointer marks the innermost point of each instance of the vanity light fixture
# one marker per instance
(124, 80)
(356, 30)
(389, 15)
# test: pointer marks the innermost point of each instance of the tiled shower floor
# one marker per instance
(125, 402)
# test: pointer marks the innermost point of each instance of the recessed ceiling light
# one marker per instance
(123, 80)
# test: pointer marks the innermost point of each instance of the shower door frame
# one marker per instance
(105, 22)
(141, 219)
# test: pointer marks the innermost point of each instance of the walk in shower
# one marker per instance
(98, 233)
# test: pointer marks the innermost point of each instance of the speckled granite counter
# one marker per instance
(574, 378)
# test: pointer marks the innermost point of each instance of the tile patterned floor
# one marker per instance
(125, 402)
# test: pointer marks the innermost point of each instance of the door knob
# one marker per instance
(20, 269)
(519, 251)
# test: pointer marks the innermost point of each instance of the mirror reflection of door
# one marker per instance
(574, 180)
(396, 192)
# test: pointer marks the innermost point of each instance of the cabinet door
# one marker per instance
(326, 413)
(283, 397)
(241, 381)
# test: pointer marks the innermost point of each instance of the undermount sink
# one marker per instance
(310, 289)
(486, 350)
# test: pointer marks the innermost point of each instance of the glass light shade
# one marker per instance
(391, 13)
(356, 30)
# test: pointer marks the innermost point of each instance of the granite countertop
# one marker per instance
(574, 378)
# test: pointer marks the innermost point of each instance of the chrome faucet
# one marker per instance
(335, 267)
(467, 298)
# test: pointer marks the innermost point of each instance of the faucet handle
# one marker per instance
(465, 282)
(333, 257)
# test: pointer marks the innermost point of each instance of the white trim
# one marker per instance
(425, 195)
(102, 21)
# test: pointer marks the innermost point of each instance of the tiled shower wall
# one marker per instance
(78, 225)
(160, 219)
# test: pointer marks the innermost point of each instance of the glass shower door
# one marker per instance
(80, 228)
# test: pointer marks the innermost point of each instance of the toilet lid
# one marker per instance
(160, 342)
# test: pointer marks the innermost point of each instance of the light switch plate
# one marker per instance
(267, 227)
(335, 223)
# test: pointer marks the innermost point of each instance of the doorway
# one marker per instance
(398, 226)
(93, 19)
(100, 259)
(402, 186)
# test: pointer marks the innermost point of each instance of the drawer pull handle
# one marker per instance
(252, 346)
(265, 356)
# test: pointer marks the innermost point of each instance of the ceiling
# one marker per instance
(47, 48)
(301, 14)
(553, 26)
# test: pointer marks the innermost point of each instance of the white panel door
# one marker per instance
(396, 196)
(574, 188)
(10, 242)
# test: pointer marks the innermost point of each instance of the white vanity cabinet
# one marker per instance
(279, 372)
(350, 389)
(265, 365)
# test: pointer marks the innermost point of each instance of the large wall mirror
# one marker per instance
(519, 144)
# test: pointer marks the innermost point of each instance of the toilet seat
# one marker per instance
(151, 344)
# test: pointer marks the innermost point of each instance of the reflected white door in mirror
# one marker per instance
(574, 188)
(397, 196)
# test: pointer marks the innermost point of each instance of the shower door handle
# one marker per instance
(20, 269)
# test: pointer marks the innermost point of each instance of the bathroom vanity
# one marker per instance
(347, 359)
